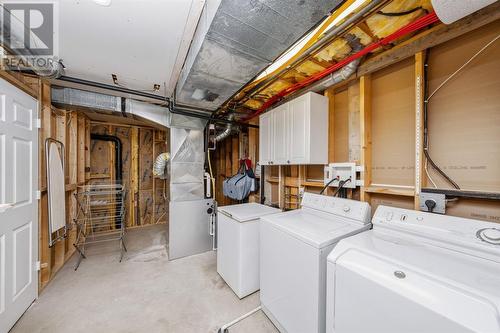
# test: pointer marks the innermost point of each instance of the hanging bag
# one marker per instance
(239, 186)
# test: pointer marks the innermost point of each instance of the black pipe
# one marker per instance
(463, 193)
(118, 162)
(113, 88)
(190, 113)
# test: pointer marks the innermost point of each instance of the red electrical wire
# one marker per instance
(407, 29)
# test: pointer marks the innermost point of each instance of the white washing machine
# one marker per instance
(294, 248)
(238, 245)
(416, 272)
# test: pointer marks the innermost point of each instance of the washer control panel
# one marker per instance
(447, 228)
(353, 209)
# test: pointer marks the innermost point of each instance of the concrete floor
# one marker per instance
(144, 293)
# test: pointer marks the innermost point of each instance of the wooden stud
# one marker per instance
(419, 124)
(330, 94)
(45, 254)
(134, 176)
(365, 130)
(59, 249)
(235, 157)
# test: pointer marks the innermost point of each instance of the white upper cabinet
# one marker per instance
(265, 139)
(295, 132)
(280, 126)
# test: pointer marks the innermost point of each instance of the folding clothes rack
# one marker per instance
(100, 218)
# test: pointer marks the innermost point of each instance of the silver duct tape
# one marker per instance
(187, 192)
(186, 173)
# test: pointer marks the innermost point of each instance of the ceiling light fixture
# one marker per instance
(104, 3)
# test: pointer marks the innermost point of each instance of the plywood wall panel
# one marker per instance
(393, 124)
(464, 115)
(145, 159)
(390, 200)
(341, 126)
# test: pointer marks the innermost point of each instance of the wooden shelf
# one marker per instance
(274, 180)
(313, 184)
(407, 192)
(99, 176)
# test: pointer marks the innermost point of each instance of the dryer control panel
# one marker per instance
(352, 209)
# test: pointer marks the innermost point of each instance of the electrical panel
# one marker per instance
(341, 171)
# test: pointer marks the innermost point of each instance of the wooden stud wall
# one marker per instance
(73, 130)
(377, 119)
(146, 201)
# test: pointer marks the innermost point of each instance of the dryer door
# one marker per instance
(372, 294)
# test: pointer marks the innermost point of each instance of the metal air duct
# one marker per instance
(110, 104)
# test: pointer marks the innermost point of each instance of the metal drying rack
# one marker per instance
(100, 217)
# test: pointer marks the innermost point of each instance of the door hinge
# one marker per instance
(37, 266)
(38, 123)
(38, 195)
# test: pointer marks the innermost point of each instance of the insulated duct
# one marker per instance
(236, 40)
(342, 74)
(109, 104)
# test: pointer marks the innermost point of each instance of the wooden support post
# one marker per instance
(235, 158)
(72, 166)
(134, 176)
(365, 120)
(302, 179)
(419, 124)
(253, 153)
(87, 150)
(330, 94)
(81, 150)
(45, 253)
(281, 186)
(60, 135)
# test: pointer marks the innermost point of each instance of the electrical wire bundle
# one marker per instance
(341, 192)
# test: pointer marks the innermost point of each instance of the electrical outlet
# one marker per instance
(433, 202)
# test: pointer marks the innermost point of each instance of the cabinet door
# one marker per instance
(265, 138)
(299, 137)
(280, 125)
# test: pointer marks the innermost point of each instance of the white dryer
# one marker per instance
(238, 245)
(294, 248)
(416, 272)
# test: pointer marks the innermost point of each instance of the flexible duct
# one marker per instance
(227, 131)
(160, 164)
(342, 74)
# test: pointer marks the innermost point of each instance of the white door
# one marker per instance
(265, 138)
(18, 204)
(280, 128)
(299, 123)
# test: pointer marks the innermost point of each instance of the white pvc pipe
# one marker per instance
(224, 328)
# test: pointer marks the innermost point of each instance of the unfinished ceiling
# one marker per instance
(379, 22)
(136, 40)
(235, 40)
